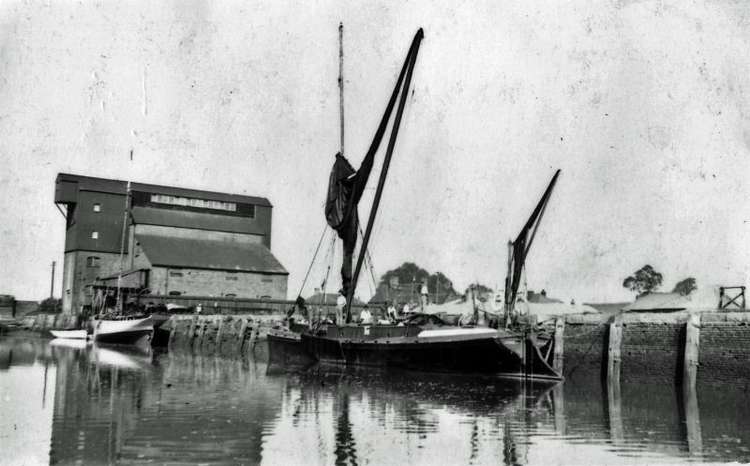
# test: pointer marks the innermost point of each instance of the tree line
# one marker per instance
(646, 280)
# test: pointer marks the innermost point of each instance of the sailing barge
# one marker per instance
(517, 350)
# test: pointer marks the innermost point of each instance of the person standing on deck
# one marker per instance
(423, 293)
(340, 305)
(392, 313)
(365, 316)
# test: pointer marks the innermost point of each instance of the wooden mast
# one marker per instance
(341, 84)
(526, 238)
(120, 305)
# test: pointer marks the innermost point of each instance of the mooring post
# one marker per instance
(199, 335)
(614, 410)
(557, 362)
(558, 400)
(173, 324)
(217, 345)
(614, 355)
(692, 348)
(191, 331)
(241, 337)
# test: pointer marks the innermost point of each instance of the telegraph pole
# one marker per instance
(52, 282)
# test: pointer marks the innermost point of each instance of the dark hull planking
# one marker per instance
(124, 338)
(513, 357)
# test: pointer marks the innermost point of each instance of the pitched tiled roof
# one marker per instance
(195, 220)
(209, 254)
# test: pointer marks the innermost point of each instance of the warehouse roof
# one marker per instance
(209, 254)
(89, 183)
(194, 220)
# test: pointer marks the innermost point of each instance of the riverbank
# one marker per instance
(712, 347)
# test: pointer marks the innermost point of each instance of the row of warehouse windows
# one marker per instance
(193, 202)
(189, 202)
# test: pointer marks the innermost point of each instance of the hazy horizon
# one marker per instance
(643, 105)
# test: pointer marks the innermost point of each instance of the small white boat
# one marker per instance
(69, 334)
(123, 330)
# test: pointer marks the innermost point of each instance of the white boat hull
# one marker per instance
(125, 331)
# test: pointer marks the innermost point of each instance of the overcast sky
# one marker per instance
(645, 106)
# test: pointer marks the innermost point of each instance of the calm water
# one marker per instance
(67, 405)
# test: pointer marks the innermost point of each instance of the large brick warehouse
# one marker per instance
(177, 241)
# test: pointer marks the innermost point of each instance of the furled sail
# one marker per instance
(520, 247)
(346, 185)
(345, 188)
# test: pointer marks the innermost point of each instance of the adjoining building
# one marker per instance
(179, 242)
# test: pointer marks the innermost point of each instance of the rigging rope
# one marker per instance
(332, 254)
(302, 287)
(368, 261)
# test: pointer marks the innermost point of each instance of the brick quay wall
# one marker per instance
(652, 347)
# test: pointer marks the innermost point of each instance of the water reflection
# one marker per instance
(105, 405)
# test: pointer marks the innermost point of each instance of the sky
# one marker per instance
(644, 106)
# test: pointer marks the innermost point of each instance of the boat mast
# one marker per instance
(410, 61)
(519, 249)
(341, 84)
(118, 306)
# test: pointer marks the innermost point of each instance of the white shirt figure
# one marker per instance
(392, 312)
(424, 290)
(340, 305)
(365, 316)
(405, 310)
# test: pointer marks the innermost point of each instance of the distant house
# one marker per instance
(11, 308)
(328, 298)
(540, 297)
(609, 308)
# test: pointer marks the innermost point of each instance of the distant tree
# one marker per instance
(403, 284)
(479, 289)
(482, 292)
(686, 286)
(50, 306)
(643, 281)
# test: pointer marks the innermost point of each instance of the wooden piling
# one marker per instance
(614, 351)
(692, 348)
(241, 336)
(173, 329)
(558, 399)
(614, 410)
(557, 363)
(217, 343)
(191, 331)
(692, 420)
(202, 324)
